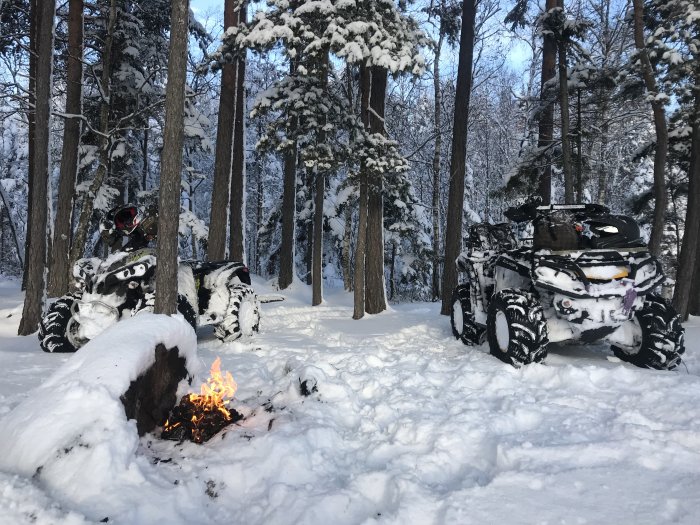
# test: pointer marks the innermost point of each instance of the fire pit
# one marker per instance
(199, 417)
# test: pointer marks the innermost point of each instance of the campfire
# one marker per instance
(199, 417)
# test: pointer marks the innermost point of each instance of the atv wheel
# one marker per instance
(462, 319)
(53, 328)
(662, 345)
(242, 314)
(516, 328)
(183, 306)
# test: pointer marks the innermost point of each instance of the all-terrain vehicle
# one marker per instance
(217, 293)
(584, 275)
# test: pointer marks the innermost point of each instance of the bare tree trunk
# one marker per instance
(564, 107)
(259, 217)
(31, 119)
(237, 210)
(436, 169)
(216, 242)
(36, 264)
(345, 259)
(546, 124)
(361, 243)
(458, 164)
(144, 152)
(59, 272)
(171, 163)
(689, 250)
(320, 189)
(375, 295)
(657, 106)
(6, 206)
(289, 203)
(694, 303)
(579, 139)
(78, 245)
(603, 164)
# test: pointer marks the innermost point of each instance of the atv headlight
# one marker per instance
(605, 273)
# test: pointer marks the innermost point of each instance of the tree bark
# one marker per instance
(216, 242)
(694, 302)
(238, 183)
(564, 110)
(59, 272)
(171, 163)
(289, 200)
(152, 395)
(375, 295)
(689, 249)
(345, 259)
(657, 106)
(36, 264)
(361, 243)
(546, 123)
(436, 169)
(319, 191)
(458, 164)
(31, 119)
(78, 244)
(579, 145)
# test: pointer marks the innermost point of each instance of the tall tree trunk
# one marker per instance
(31, 119)
(345, 259)
(144, 153)
(171, 163)
(36, 264)
(59, 271)
(579, 153)
(691, 235)
(78, 244)
(319, 191)
(436, 169)
(238, 183)
(260, 202)
(657, 106)
(564, 110)
(458, 160)
(694, 303)
(289, 203)
(546, 123)
(375, 295)
(216, 242)
(603, 163)
(6, 207)
(359, 272)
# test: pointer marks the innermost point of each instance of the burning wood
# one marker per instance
(199, 417)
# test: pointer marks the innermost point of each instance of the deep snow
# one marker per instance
(408, 426)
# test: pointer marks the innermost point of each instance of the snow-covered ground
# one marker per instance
(408, 426)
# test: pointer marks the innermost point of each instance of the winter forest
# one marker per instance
(448, 250)
(317, 134)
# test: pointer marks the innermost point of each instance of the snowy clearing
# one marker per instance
(408, 426)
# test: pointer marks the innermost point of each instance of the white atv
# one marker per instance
(585, 276)
(216, 293)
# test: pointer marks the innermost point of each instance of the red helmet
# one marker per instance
(126, 219)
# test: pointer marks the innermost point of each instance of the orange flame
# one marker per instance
(216, 393)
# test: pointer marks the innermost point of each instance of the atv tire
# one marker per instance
(516, 328)
(662, 344)
(53, 327)
(462, 319)
(242, 317)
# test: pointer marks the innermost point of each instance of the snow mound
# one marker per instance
(71, 433)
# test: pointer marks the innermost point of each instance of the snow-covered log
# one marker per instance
(73, 428)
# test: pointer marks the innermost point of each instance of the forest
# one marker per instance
(347, 144)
